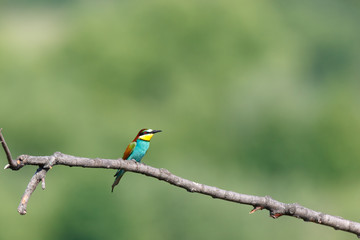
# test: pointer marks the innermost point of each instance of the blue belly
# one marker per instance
(140, 150)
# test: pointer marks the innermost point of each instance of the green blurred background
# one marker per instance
(259, 97)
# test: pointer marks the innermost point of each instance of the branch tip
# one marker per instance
(276, 215)
(22, 212)
(43, 183)
(256, 209)
(38, 177)
(7, 151)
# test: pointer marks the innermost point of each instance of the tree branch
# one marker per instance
(275, 207)
(11, 163)
(34, 181)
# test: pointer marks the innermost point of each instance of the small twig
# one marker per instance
(43, 183)
(34, 181)
(256, 209)
(38, 177)
(11, 163)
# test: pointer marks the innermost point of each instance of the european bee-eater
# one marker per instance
(135, 150)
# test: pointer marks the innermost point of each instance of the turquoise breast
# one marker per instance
(139, 150)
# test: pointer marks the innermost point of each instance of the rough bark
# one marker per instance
(275, 207)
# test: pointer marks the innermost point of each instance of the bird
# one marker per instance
(135, 150)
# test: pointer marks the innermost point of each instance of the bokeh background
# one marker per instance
(259, 97)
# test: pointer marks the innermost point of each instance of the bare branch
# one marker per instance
(11, 163)
(276, 208)
(34, 181)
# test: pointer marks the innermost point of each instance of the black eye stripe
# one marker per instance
(144, 132)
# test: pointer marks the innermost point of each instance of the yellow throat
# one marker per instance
(146, 137)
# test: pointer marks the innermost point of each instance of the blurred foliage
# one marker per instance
(256, 97)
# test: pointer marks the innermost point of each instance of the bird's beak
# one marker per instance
(156, 131)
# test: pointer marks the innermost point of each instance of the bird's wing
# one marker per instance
(130, 148)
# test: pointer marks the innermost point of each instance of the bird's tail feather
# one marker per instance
(118, 176)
